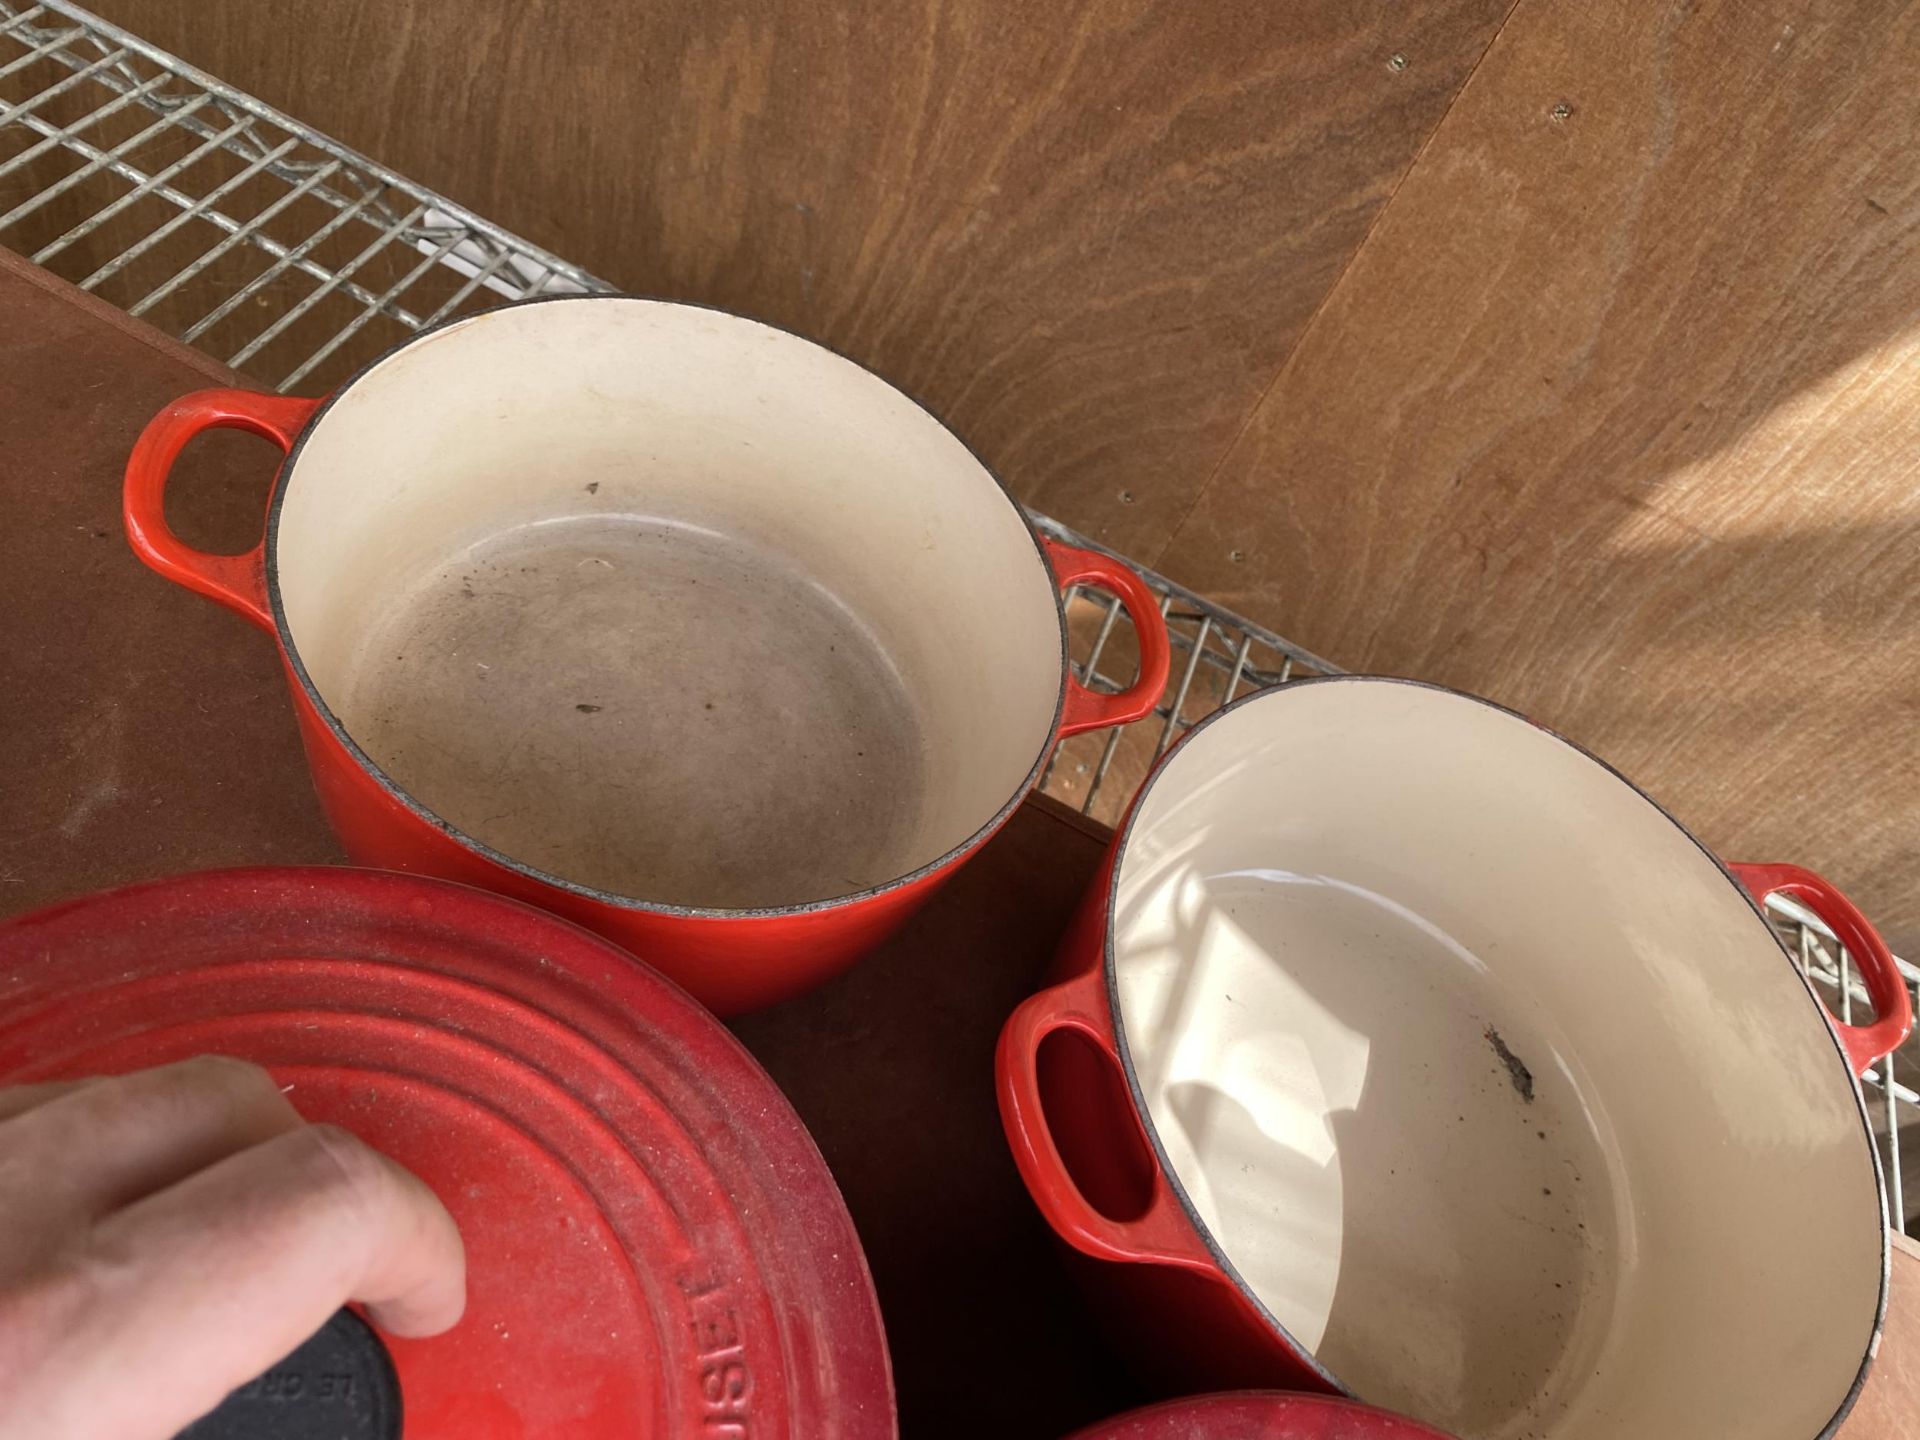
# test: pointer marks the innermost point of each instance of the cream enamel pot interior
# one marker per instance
(671, 621)
(1458, 1076)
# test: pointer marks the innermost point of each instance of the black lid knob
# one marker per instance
(339, 1385)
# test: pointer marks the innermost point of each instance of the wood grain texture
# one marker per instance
(1616, 418)
(1085, 234)
(148, 730)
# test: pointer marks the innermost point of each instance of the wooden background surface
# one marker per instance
(1565, 352)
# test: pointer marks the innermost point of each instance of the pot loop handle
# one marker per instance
(1161, 1234)
(1089, 709)
(238, 582)
(1886, 986)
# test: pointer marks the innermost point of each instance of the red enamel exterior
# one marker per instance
(731, 961)
(1202, 1327)
(1258, 1415)
(655, 1246)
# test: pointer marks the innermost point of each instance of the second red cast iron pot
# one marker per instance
(1404, 1048)
(664, 619)
(655, 1247)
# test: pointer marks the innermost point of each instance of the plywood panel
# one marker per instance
(1085, 233)
(1616, 417)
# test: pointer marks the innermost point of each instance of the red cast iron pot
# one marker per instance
(655, 1247)
(671, 622)
(1403, 1047)
(1258, 1415)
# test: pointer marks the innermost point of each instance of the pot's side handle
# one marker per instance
(1161, 1234)
(238, 582)
(1886, 986)
(1089, 709)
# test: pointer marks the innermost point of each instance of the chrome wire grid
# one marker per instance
(222, 221)
(295, 260)
(1891, 1102)
(1217, 657)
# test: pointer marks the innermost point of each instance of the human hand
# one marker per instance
(166, 1236)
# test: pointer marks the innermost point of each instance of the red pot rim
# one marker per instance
(283, 635)
(1111, 991)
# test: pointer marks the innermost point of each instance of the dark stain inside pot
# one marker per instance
(649, 709)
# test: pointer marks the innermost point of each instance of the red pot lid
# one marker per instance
(654, 1245)
(1259, 1415)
